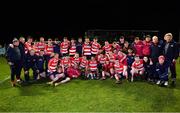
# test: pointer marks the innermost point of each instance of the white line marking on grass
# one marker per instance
(4, 80)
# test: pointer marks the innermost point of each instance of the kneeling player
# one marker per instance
(83, 67)
(93, 71)
(137, 68)
(40, 65)
(162, 71)
(106, 70)
(120, 71)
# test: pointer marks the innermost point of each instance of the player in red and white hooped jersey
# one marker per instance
(75, 61)
(28, 45)
(119, 70)
(84, 66)
(122, 57)
(49, 51)
(87, 48)
(95, 46)
(84, 63)
(52, 64)
(93, 70)
(116, 47)
(64, 46)
(105, 70)
(65, 63)
(137, 67)
(73, 71)
(41, 45)
(101, 59)
(49, 48)
(35, 47)
(111, 57)
(107, 47)
(72, 49)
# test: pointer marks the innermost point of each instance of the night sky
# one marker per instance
(75, 17)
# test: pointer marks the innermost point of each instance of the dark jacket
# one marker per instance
(172, 51)
(40, 62)
(156, 50)
(56, 48)
(22, 50)
(30, 62)
(79, 48)
(162, 69)
(13, 54)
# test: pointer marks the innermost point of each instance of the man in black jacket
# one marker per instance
(30, 62)
(156, 49)
(170, 52)
(14, 58)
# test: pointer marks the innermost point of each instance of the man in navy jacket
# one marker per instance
(14, 58)
(170, 52)
(30, 63)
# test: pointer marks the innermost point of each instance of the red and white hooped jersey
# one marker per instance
(52, 64)
(28, 46)
(49, 49)
(139, 65)
(64, 46)
(83, 63)
(106, 67)
(102, 60)
(119, 68)
(122, 57)
(41, 46)
(87, 48)
(117, 47)
(65, 62)
(112, 57)
(95, 48)
(35, 47)
(72, 49)
(93, 65)
(107, 48)
(75, 61)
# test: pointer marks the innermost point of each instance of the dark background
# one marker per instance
(73, 18)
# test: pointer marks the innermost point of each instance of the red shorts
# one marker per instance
(111, 65)
(124, 62)
(73, 73)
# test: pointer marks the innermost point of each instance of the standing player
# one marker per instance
(28, 44)
(64, 46)
(87, 48)
(41, 44)
(107, 47)
(48, 52)
(95, 46)
(72, 49)
(146, 46)
(138, 47)
(79, 46)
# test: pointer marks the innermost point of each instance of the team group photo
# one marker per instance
(60, 62)
(90, 56)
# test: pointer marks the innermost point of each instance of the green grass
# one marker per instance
(87, 96)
